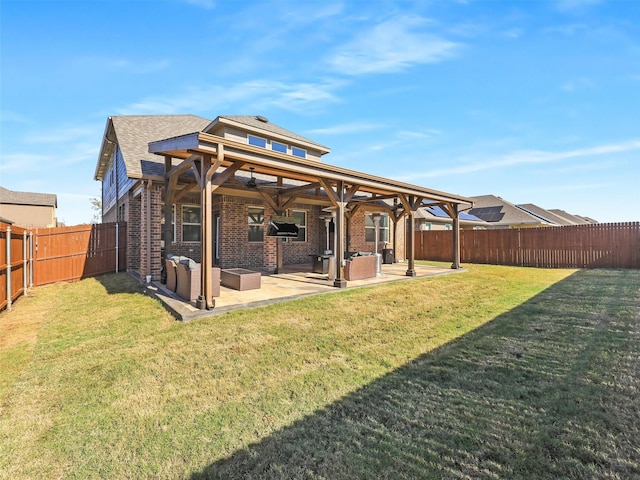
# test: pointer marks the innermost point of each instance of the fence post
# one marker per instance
(9, 294)
(117, 240)
(24, 262)
(31, 259)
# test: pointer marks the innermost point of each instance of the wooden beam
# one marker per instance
(351, 192)
(183, 191)
(287, 192)
(331, 193)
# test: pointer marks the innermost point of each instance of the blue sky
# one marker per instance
(534, 101)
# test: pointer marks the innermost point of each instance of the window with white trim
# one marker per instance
(298, 152)
(255, 221)
(301, 221)
(191, 227)
(370, 228)
(278, 147)
(257, 141)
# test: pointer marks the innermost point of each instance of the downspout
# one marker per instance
(117, 245)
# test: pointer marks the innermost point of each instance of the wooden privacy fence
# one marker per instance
(607, 245)
(15, 267)
(49, 255)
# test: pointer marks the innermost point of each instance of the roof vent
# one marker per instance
(262, 119)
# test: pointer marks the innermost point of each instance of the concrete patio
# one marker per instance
(295, 281)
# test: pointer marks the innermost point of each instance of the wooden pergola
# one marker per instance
(215, 161)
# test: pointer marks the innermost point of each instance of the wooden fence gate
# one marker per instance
(38, 257)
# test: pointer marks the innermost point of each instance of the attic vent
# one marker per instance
(262, 119)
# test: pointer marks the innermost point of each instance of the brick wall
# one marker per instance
(235, 248)
(133, 232)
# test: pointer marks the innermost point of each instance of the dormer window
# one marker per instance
(257, 141)
(278, 147)
(299, 152)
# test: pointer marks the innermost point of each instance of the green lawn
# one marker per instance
(497, 372)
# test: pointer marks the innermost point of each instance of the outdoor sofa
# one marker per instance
(359, 266)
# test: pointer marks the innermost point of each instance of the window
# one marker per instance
(278, 147)
(191, 223)
(173, 224)
(370, 228)
(122, 213)
(257, 141)
(301, 222)
(255, 220)
(299, 152)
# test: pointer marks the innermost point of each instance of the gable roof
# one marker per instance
(542, 213)
(133, 134)
(496, 210)
(572, 219)
(260, 123)
(28, 198)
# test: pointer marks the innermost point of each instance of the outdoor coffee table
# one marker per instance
(240, 278)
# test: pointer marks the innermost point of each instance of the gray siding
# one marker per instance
(111, 183)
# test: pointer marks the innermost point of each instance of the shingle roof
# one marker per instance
(255, 122)
(28, 198)
(134, 132)
(542, 213)
(572, 219)
(497, 210)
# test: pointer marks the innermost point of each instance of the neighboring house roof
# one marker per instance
(497, 211)
(587, 219)
(436, 214)
(28, 198)
(543, 214)
(572, 219)
(133, 134)
(257, 122)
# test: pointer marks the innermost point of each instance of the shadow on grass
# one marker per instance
(547, 390)
(115, 283)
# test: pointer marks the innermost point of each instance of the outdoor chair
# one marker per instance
(170, 268)
(188, 273)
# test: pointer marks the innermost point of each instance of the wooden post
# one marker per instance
(339, 281)
(411, 270)
(167, 231)
(8, 252)
(456, 237)
(205, 300)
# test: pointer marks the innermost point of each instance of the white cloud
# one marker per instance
(525, 157)
(256, 95)
(391, 46)
(346, 128)
(577, 85)
(69, 135)
(132, 66)
(8, 116)
(207, 4)
(566, 5)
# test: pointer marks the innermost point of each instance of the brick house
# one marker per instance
(211, 189)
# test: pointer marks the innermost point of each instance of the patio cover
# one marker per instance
(215, 160)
